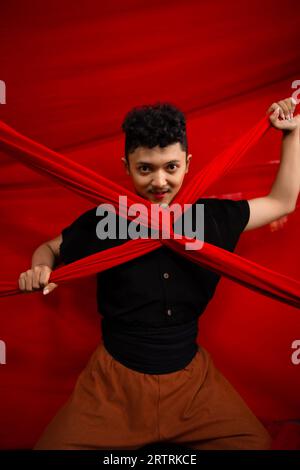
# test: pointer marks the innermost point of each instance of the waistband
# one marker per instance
(159, 350)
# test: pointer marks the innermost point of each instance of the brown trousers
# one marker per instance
(113, 407)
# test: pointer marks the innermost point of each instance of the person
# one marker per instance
(148, 380)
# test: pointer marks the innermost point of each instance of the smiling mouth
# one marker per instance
(160, 192)
(159, 196)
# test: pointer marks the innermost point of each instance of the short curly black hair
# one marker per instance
(159, 124)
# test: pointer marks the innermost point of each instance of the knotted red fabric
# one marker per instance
(98, 189)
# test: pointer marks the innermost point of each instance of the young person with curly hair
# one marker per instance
(149, 381)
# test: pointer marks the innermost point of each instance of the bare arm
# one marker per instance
(47, 253)
(283, 195)
(44, 258)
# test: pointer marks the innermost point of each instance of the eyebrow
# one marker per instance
(150, 164)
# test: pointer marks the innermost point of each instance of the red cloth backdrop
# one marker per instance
(72, 71)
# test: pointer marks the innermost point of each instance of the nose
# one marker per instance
(159, 181)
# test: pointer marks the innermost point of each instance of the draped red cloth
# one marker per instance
(82, 69)
(98, 189)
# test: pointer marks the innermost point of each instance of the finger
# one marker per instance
(290, 107)
(44, 278)
(293, 105)
(22, 285)
(285, 109)
(28, 280)
(282, 124)
(49, 288)
(275, 115)
(281, 112)
(36, 272)
(272, 107)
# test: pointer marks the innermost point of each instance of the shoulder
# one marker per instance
(222, 203)
(229, 218)
(86, 218)
(80, 238)
(76, 235)
(84, 222)
(226, 208)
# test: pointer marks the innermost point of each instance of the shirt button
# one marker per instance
(166, 275)
(169, 312)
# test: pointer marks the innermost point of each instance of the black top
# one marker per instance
(150, 305)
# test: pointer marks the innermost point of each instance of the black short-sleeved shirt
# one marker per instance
(150, 305)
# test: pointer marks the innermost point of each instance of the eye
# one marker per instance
(173, 165)
(143, 168)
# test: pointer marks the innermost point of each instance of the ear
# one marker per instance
(188, 159)
(125, 165)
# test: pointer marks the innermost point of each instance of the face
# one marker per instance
(158, 173)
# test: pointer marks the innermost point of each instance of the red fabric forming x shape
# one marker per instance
(98, 189)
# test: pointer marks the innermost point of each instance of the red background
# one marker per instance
(72, 70)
